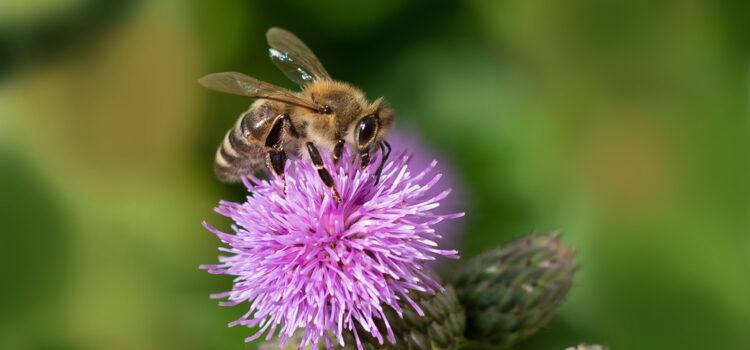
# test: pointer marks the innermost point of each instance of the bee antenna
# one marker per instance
(383, 146)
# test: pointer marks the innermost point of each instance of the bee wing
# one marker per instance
(294, 58)
(243, 85)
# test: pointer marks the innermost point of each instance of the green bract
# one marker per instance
(513, 290)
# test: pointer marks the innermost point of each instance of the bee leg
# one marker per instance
(275, 160)
(337, 150)
(386, 154)
(364, 159)
(322, 172)
(276, 156)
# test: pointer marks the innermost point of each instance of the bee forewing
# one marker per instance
(239, 84)
(294, 58)
(243, 85)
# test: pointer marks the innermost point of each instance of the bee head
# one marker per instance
(370, 130)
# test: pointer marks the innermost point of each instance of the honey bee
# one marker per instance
(325, 113)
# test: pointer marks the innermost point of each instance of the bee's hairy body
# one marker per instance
(243, 149)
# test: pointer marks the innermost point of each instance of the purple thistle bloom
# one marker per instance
(304, 261)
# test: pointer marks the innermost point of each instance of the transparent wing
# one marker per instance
(243, 85)
(294, 58)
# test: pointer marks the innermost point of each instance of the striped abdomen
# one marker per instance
(242, 151)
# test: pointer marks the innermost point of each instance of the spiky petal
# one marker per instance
(421, 154)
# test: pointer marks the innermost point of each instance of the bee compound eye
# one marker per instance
(366, 129)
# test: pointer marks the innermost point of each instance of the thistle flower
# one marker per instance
(304, 261)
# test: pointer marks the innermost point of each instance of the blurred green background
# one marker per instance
(624, 124)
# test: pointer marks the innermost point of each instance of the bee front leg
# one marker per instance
(386, 154)
(337, 151)
(322, 172)
(276, 156)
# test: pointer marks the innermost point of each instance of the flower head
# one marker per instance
(302, 260)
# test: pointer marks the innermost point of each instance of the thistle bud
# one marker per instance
(511, 291)
(587, 347)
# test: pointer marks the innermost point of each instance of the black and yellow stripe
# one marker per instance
(237, 156)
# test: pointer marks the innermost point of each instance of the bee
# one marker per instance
(324, 114)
